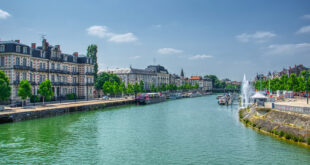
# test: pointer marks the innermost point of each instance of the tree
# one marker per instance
(196, 86)
(115, 88)
(141, 84)
(136, 88)
(24, 90)
(153, 88)
(45, 90)
(292, 82)
(130, 89)
(122, 88)
(5, 88)
(92, 53)
(107, 88)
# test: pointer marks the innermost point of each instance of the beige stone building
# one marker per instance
(68, 73)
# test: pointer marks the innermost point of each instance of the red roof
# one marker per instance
(195, 78)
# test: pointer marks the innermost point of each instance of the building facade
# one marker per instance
(133, 75)
(68, 73)
(162, 74)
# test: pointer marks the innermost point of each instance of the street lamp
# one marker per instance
(307, 76)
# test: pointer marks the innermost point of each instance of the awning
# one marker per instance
(258, 95)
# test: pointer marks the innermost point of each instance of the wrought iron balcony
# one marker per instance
(75, 72)
(89, 73)
(22, 67)
(42, 70)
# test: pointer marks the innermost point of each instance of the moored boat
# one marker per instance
(150, 98)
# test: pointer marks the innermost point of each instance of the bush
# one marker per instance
(71, 96)
(34, 98)
(287, 136)
(281, 134)
(308, 141)
(254, 125)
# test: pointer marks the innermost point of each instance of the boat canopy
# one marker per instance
(258, 95)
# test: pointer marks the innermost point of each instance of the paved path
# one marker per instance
(9, 110)
(298, 102)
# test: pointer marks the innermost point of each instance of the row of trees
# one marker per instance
(292, 83)
(24, 90)
(111, 84)
(216, 83)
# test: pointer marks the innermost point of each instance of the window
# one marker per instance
(17, 61)
(43, 65)
(17, 76)
(25, 50)
(30, 76)
(24, 61)
(31, 64)
(17, 48)
(2, 61)
(53, 78)
(58, 66)
(40, 65)
(41, 78)
(2, 48)
(24, 76)
(53, 66)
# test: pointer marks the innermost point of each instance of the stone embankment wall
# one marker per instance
(288, 125)
(5, 118)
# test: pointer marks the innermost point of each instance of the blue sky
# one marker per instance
(227, 38)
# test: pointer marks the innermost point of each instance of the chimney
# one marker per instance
(76, 54)
(57, 46)
(18, 41)
(33, 45)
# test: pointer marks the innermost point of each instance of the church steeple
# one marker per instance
(182, 73)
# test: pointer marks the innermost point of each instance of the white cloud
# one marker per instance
(304, 29)
(200, 56)
(306, 16)
(169, 51)
(4, 14)
(259, 36)
(135, 57)
(289, 49)
(128, 37)
(98, 31)
(103, 32)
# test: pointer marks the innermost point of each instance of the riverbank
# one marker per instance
(290, 126)
(34, 112)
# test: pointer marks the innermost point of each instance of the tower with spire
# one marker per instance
(182, 73)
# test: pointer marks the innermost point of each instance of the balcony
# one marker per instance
(16, 82)
(89, 73)
(42, 70)
(22, 67)
(75, 84)
(65, 72)
(75, 73)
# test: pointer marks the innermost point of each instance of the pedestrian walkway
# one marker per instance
(10, 110)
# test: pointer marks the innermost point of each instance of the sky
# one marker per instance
(228, 38)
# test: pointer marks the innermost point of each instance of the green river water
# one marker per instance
(185, 131)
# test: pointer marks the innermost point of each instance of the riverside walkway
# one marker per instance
(11, 114)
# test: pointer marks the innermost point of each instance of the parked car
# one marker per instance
(105, 98)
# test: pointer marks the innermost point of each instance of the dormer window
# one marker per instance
(2, 48)
(18, 48)
(25, 50)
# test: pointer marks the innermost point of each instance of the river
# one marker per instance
(185, 131)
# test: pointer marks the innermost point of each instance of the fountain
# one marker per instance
(246, 92)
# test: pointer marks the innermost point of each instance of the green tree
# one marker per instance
(292, 82)
(153, 88)
(5, 88)
(115, 88)
(130, 89)
(196, 86)
(136, 88)
(92, 53)
(45, 90)
(283, 81)
(24, 90)
(141, 84)
(122, 88)
(107, 88)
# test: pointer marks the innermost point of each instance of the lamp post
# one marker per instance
(307, 76)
